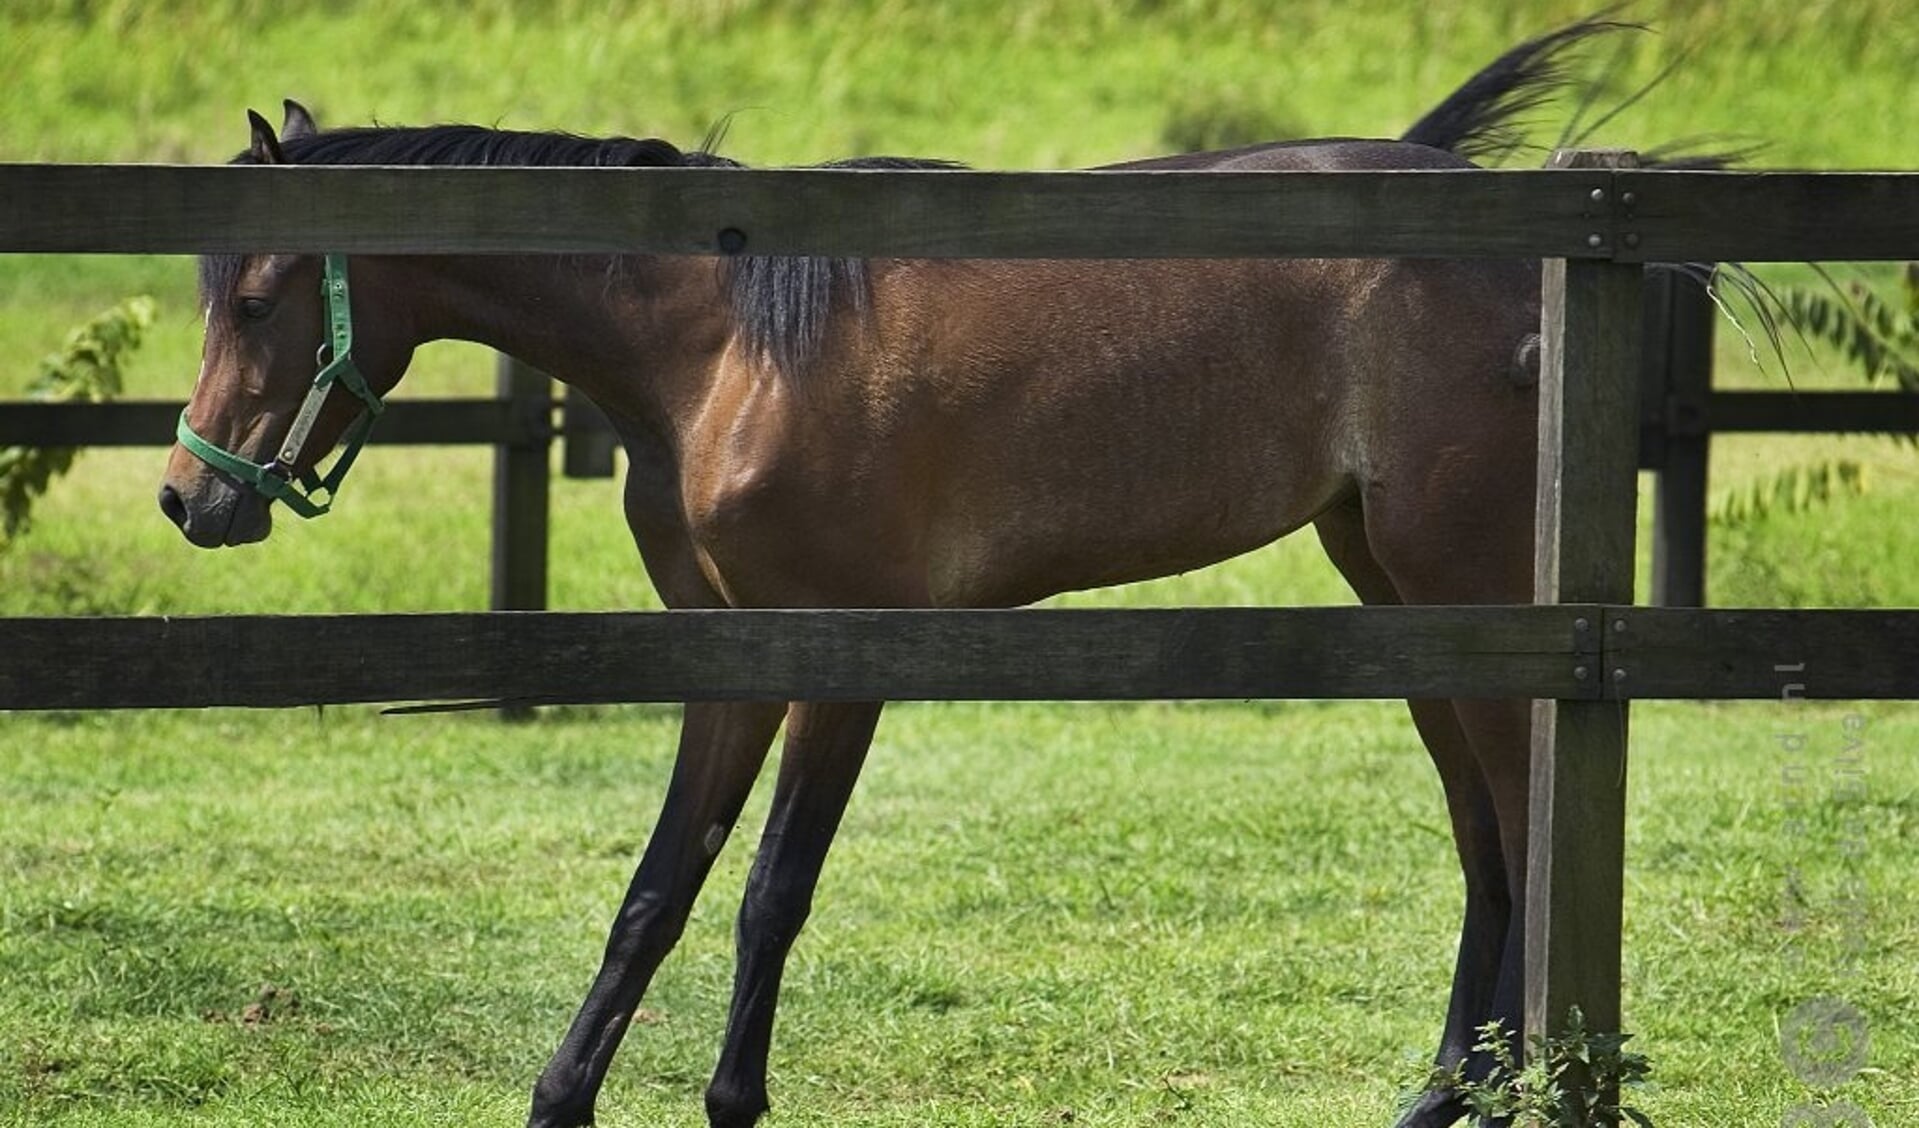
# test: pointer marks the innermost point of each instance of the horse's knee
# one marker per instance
(646, 929)
(772, 914)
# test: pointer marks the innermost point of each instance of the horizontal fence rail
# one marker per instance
(1675, 216)
(1568, 652)
(1540, 213)
(1811, 412)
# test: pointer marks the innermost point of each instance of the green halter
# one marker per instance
(275, 479)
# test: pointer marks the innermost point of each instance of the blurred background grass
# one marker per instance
(1134, 914)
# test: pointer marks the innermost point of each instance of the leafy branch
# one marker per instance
(1878, 339)
(1882, 342)
(87, 370)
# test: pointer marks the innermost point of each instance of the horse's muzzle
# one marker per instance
(234, 518)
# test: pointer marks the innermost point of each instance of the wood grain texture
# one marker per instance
(1587, 496)
(1576, 866)
(198, 209)
(1813, 412)
(1676, 653)
(1684, 339)
(1330, 652)
(1675, 216)
(1731, 654)
(521, 474)
(1589, 433)
(438, 422)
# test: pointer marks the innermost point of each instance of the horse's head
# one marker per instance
(290, 368)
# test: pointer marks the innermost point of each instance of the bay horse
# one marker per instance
(812, 432)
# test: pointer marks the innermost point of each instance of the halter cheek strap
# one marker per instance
(276, 479)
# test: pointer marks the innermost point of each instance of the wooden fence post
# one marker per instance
(1588, 431)
(520, 503)
(1679, 499)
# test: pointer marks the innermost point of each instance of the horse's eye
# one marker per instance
(253, 309)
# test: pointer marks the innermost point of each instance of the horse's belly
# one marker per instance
(1068, 531)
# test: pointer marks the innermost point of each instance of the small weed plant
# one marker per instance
(1574, 1080)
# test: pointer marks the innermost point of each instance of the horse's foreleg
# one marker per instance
(721, 749)
(825, 748)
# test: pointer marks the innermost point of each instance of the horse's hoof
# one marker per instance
(1436, 1108)
(732, 1108)
(558, 1111)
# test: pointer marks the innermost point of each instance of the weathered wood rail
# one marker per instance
(1544, 651)
(1642, 216)
(1582, 653)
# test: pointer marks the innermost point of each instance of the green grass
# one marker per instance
(1140, 914)
(1199, 913)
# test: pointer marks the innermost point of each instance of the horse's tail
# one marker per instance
(1476, 120)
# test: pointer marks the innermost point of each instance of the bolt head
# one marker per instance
(1598, 195)
(1629, 199)
(1595, 239)
(1619, 675)
(1580, 673)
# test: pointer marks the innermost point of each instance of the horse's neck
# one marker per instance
(640, 336)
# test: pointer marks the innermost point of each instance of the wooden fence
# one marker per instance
(1582, 653)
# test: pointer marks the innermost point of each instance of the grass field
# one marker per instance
(1179, 914)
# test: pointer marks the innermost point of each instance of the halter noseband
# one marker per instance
(275, 479)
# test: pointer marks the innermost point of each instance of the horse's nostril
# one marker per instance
(174, 506)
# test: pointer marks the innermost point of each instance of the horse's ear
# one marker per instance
(299, 123)
(265, 148)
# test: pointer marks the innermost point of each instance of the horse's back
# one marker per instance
(1321, 154)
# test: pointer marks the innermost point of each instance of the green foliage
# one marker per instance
(1878, 339)
(1573, 1079)
(1794, 490)
(87, 370)
(1874, 335)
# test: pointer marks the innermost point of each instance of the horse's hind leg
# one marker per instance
(825, 748)
(1449, 519)
(1482, 935)
(721, 749)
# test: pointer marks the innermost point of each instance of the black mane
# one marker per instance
(780, 304)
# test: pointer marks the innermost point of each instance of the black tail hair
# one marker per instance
(1476, 120)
